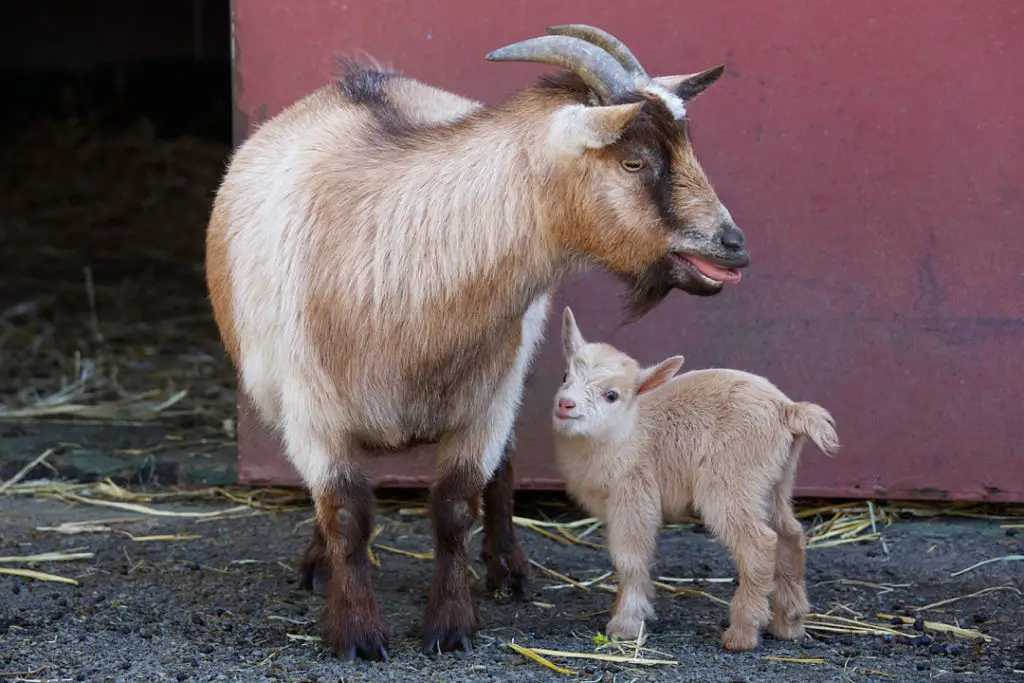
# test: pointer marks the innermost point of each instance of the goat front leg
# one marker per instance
(634, 518)
(507, 565)
(466, 461)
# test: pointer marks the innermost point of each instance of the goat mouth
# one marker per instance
(708, 269)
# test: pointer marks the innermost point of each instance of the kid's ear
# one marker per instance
(571, 337)
(653, 377)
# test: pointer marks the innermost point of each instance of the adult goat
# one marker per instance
(381, 257)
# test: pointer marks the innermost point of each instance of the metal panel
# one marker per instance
(873, 153)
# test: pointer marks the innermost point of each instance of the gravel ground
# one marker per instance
(224, 606)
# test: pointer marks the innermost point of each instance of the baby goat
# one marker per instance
(637, 448)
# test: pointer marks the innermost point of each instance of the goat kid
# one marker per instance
(638, 447)
(381, 257)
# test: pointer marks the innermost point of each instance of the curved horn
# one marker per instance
(599, 70)
(604, 40)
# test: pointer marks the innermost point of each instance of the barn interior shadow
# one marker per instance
(115, 131)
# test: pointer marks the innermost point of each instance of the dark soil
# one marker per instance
(222, 607)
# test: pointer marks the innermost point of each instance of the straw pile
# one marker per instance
(103, 310)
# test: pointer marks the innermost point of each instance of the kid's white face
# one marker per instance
(596, 395)
(601, 384)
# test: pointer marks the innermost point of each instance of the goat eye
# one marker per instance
(611, 396)
(632, 165)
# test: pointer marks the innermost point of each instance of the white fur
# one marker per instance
(674, 103)
(572, 132)
(500, 419)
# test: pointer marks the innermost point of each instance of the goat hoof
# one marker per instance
(508, 574)
(373, 649)
(784, 629)
(381, 654)
(739, 640)
(449, 641)
(315, 580)
(357, 637)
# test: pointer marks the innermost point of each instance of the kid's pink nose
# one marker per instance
(566, 404)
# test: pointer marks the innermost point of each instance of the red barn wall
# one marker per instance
(873, 153)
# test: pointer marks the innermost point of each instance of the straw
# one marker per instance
(942, 603)
(1007, 558)
(795, 660)
(618, 659)
(155, 512)
(41, 576)
(969, 634)
(68, 556)
(25, 470)
(532, 654)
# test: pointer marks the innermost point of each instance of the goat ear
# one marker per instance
(577, 128)
(652, 378)
(571, 337)
(690, 85)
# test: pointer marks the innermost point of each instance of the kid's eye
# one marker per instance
(611, 396)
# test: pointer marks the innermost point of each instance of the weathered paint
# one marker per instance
(873, 153)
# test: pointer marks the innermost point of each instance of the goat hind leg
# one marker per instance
(353, 623)
(751, 542)
(789, 599)
(314, 567)
(507, 565)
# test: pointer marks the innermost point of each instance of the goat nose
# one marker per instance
(732, 237)
(566, 404)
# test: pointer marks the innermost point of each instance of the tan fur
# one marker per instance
(721, 443)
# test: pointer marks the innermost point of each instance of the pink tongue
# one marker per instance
(713, 271)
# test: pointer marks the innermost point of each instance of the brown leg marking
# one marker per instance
(451, 618)
(353, 623)
(508, 570)
(314, 569)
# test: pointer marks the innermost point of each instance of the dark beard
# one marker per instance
(646, 291)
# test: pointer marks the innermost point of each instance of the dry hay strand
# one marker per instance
(939, 627)
(795, 660)
(407, 553)
(91, 526)
(38, 576)
(163, 538)
(991, 560)
(564, 533)
(615, 659)
(155, 512)
(847, 524)
(123, 329)
(531, 654)
(558, 575)
(65, 556)
(25, 470)
(949, 601)
(108, 494)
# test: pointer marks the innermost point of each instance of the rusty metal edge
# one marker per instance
(386, 481)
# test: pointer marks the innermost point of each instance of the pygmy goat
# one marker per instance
(638, 447)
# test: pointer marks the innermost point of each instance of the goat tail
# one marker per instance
(813, 421)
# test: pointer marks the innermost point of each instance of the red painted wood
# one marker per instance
(873, 153)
